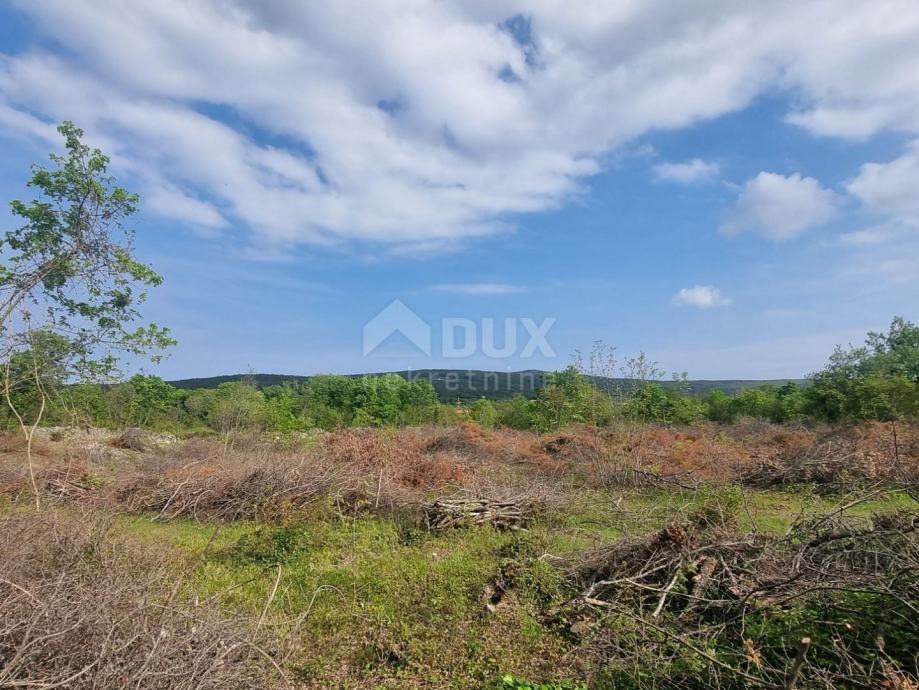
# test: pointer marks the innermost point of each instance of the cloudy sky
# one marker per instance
(731, 187)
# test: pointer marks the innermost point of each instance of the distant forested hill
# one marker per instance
(453, 385)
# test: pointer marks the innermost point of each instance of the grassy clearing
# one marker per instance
(322, 547)
(381, 604)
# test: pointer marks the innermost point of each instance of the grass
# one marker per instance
(383, 605)
(375, 602)
(378, 604)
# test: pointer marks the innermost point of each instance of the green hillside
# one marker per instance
(457, 385)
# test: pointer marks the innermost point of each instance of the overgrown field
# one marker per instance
(629, 556)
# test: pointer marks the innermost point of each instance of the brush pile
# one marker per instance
(838, 458)
(738, 601)
(690, 567)
(212, 491)
(79, 609)
(448, 513)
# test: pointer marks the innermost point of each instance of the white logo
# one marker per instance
(460, 337)
(397, 318)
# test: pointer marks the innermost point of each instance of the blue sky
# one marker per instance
(733, 189)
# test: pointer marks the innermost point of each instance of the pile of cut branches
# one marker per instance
(447, 513)
(737, 602)
(210, 491)
(80, 609)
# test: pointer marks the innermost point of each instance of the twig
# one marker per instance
(665, 592)
(792, 677)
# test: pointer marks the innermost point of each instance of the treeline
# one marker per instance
(878, 381)
(325, 402)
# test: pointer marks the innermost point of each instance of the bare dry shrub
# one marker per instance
(13, 481)
(702, 454)
(630, 455)
(14, 442)
(58, 480)
(485, 451)
(466, 439)
(581, 448)
(843, 457)
(385, 470)
(79, 609)
(132, 438)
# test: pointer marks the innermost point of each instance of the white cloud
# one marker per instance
(779, 207)
(422, 123)
(870, 237)
(891, 188)
(479, 288)
(170, 202)
(695, 170)
(701, 296)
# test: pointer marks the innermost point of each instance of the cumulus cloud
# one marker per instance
(778, 207)
(701, 296)
(695, 170)
(422, 123)
(479, 288)
(891, 188)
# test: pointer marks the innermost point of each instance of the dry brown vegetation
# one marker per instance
(700, 599)
(81, 609)
(366, 469)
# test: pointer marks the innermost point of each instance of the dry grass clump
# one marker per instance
(79, 609)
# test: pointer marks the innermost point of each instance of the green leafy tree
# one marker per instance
(197, 405)
(329, 401)
(153, 399)
(484, 412)
(516, 413)
(84, 404)
(879, 380)
(378, 400)
(283, 408)
(568, 397)
(69, 270)
(237, 406)
(119, 403)
(653, 403)
(719, 407)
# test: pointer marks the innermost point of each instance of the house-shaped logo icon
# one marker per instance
(397, 318)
